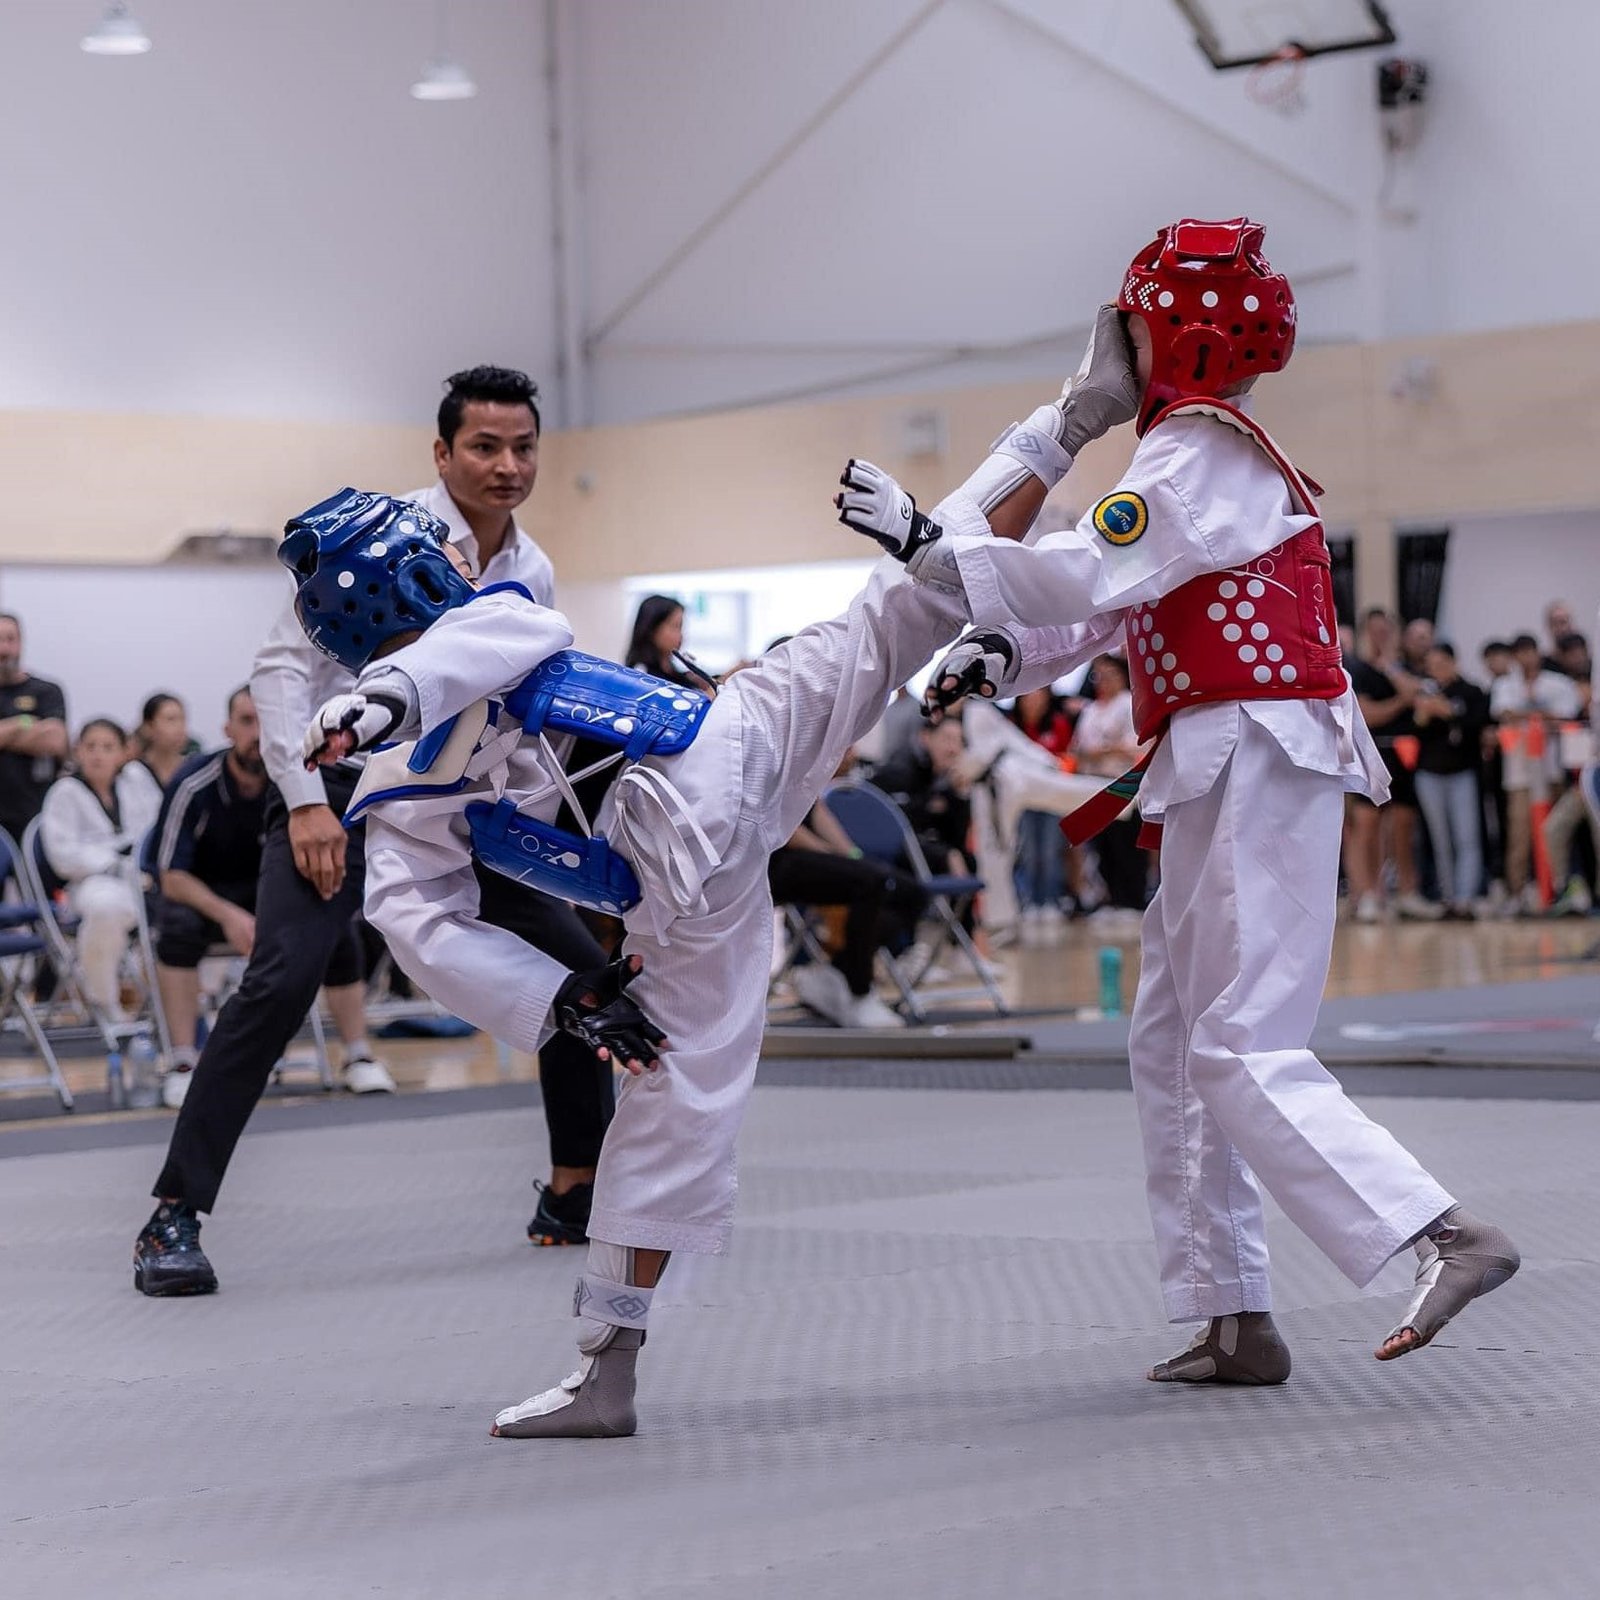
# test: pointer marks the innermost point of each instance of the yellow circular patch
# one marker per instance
(1121, 517)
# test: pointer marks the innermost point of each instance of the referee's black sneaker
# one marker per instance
(561, 1218)
(167, 1258)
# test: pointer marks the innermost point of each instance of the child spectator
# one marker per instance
(93, 822)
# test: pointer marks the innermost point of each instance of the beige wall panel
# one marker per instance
(1510, 424)
(86, 486)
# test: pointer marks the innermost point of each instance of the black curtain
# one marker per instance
(1342, 553)
(1419, 578)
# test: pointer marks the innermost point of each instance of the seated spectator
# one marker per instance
(33, 733)
(1525, 702)
(1451, 715)
(657, 637)
(1106, 746)
(206, 855)
(161, 741)
(929, 784)
(93, 822)
(821, 867)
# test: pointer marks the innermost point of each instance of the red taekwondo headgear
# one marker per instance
(1216, 310)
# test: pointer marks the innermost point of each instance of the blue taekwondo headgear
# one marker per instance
(368, 567)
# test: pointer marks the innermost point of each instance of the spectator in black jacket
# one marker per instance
(1451, 714)
(928, 784)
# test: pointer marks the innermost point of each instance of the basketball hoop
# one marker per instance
(1279, 82)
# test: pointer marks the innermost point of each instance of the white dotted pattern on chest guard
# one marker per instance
(1239, 632)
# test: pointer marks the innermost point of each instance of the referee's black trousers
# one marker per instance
(297, 933)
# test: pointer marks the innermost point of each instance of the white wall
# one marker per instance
(256, 219)
(112, 636)
(1507, 229)
(1501, 573)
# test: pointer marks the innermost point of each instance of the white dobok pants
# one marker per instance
(1235, 952)
(771, 743)
(109, 912)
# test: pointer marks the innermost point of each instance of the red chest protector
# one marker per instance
(1262, 631)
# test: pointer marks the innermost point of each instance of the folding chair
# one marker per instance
(22, 946)
(798, 939)
(881, 831)
(57, 924)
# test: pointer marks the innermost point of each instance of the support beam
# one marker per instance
(566, 231)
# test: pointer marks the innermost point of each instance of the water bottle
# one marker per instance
(1110, 981)
(116, 1090)
(143, 1072)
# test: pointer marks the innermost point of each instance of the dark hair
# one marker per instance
(153, 705)
(1371, 612)
(102, 722)
(1524, 641)
(1445, 648)
(244, 688)
(1572, 641)
(653, 610)
(1495, 644)
(1119, 662)
(11, 617)
(500, 385)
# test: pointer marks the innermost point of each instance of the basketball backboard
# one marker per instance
(1244, 33)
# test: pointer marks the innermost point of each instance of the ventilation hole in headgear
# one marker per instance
(1249, 355)
(373, 591)
(1238, 328)
(1202, 358)
(1274, 355)
(377, 619)
(1280, 297)
(402, 612)
(1205, 322)
(394, 566)
(1175, 320)
(1261, 327)
(349, 608)
(357, 641)
(309, 602)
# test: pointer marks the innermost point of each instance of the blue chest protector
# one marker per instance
(612, 705)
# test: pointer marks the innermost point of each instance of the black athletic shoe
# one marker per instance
(561, 1218)
(167, 1258)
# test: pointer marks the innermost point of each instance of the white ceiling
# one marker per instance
(765, 200)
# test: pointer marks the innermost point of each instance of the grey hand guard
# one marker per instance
(594, 1007)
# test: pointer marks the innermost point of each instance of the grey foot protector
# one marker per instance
(1245, 1349)
(602, 1398)
(1455, 1264)
(596, 1401)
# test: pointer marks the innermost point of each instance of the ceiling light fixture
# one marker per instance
(119, 34)
(443, 78)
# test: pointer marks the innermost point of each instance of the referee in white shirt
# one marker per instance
(313, 870)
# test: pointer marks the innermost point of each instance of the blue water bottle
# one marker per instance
(1110, 980)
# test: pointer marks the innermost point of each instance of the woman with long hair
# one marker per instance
(161, 741)
(657, 633)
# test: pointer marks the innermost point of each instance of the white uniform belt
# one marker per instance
(655, 828)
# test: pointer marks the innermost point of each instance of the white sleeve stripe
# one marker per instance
(178, 809)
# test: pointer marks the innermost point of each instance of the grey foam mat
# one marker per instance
(918, 1373)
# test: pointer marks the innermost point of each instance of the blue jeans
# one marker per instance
(1041, 859)
(1449, 804)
